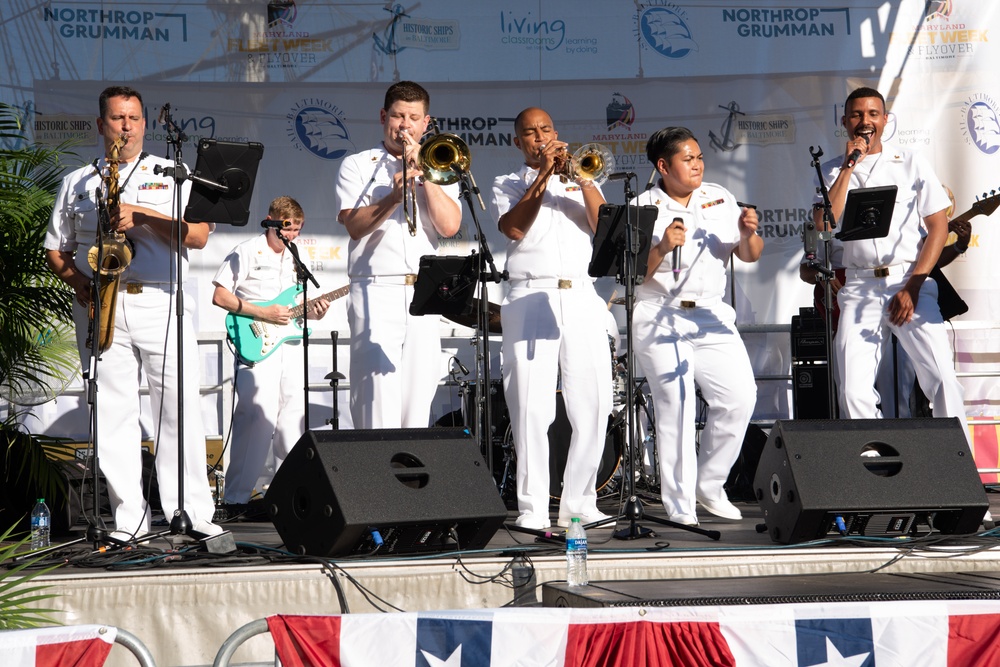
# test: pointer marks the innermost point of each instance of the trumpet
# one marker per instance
(441, 160)
(110, 255)
(591, 162)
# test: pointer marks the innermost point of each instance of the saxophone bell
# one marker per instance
(110, 255)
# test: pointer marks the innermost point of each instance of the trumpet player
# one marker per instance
(145, 337)
(396, 360)
(553, 322)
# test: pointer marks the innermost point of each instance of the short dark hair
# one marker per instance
(117, 91)
(666, 142)
(406, 91)
(864, 91)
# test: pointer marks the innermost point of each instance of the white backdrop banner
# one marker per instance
(759, 83)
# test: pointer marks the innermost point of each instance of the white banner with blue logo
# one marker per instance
(759, 83)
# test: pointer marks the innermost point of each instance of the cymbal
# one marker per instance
(472, 319)
(620, 301)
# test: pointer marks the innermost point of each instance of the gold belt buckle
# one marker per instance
(133, 288)
(410, 278)
(881, 272)
(565, 283)
(688, 304)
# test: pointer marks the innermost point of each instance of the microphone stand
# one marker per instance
(304, 276)
(810, 238)
(483, 276)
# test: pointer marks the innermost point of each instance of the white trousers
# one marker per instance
(545, 332)
(146, 341)
(270, 411)
(395, 358)
(864, 324)
(676, 348)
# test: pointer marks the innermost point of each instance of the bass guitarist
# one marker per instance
(269, 393)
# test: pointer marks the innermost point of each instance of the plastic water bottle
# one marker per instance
(576, 554)
(41, 522)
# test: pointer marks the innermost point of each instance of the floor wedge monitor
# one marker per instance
(868, 477)
(384, 491)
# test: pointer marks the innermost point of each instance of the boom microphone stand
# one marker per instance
(484, 276)
(304, 276)
(810, 238)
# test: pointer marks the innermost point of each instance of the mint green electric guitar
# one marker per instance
(255, 340)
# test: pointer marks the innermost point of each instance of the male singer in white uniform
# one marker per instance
(685, 333)
(395, 356)
(145, 337)
(887, 289)
(553, 321)
(270, 394)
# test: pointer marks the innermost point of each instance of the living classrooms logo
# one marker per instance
(524, 31)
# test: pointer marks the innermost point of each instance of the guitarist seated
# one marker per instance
(257, 284)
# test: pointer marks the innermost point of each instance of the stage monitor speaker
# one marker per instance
(385, 491)
(868, 477)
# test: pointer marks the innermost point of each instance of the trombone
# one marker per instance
(441, 160)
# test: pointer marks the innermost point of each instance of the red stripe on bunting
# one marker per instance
(986, 448)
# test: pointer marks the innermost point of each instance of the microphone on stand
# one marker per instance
(617, 176)
(677, 255)
(164, 110)
(855, 155)
(652, 179)
(275, 224)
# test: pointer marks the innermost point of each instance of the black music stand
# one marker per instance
(867, 213)
(222, 182)
(445, 285)
(621, 249)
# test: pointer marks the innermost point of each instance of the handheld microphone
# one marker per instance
(275, 224)
(621, 175)
(855, 155)
(677, 254)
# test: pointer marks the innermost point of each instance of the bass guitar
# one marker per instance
(255, 340)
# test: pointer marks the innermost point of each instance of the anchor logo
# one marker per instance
(726, 143)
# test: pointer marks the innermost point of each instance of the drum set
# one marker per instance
(614, 458)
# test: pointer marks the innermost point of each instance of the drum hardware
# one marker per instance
(472, 318)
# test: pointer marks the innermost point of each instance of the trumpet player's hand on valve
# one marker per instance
(552, 158)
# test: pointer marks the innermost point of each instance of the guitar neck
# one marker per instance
(298, 310)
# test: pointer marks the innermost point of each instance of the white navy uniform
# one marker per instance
(685, 333)
(270, 398)
(396, 359)
(864, 299)
(553, 322)
(145, 339)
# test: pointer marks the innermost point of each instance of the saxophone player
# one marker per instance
(144, 331)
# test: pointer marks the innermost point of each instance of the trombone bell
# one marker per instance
(439, 154)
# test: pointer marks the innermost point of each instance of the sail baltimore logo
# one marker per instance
(317, 126)
(664, 29)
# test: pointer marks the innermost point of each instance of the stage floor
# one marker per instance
(183, 604)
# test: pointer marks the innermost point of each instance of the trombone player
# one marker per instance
(553, 321)
(395, 356)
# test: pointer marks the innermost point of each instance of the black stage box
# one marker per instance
(384, 491)
(871, 477)
(777, 589)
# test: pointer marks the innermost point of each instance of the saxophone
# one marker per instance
(114, 250)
